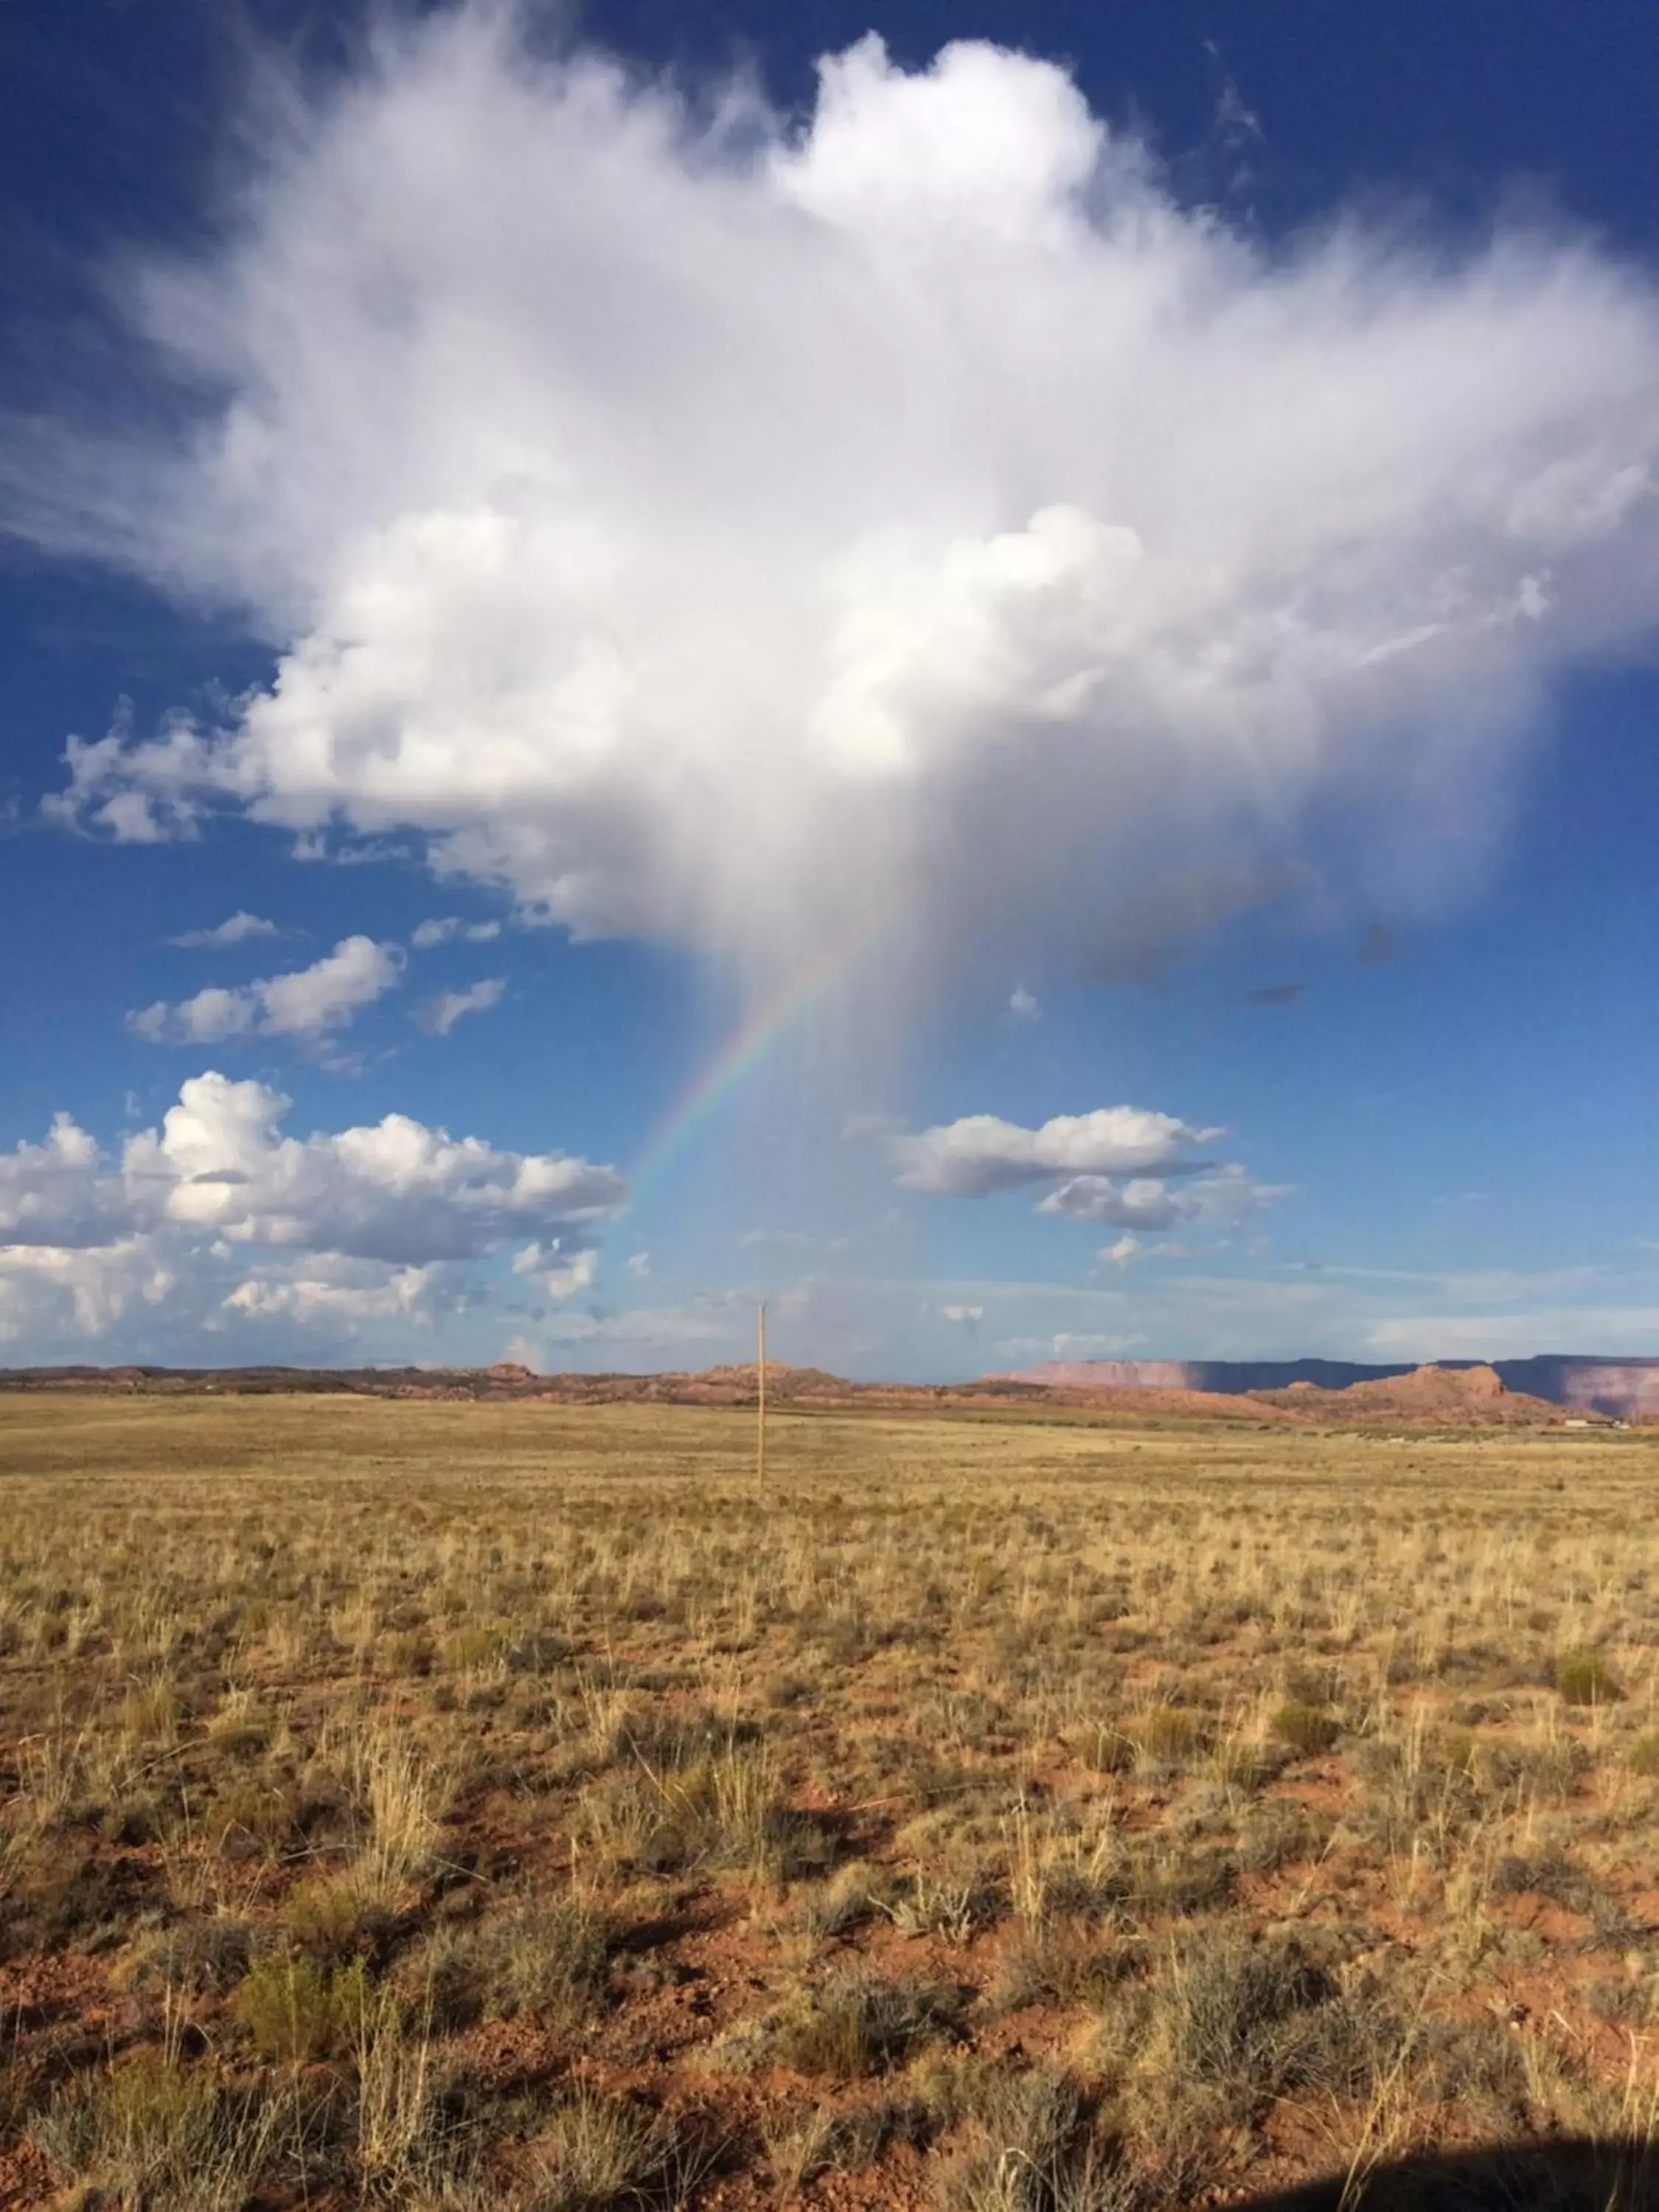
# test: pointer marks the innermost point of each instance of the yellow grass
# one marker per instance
(458, 1804)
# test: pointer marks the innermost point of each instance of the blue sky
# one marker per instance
(1080, 581)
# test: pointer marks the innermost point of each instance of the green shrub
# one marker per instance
(1308, 1730)
(335, 1914)
(471, 1650)
(1458, 1752)
(295, 2008)
(249, 1816)
(1166, 1735)
(1585, 1678)
(406, 1651)
(1102, 1747)
(1643, 1756)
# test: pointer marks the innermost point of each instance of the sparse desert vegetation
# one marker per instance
(465, 1806)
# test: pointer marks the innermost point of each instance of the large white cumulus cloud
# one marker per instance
(219, 1215)
(686, 523)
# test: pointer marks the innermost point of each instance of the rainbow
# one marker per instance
(746, 1049)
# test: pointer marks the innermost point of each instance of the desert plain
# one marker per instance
(996, 1808)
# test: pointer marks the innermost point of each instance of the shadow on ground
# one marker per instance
(1566, 2177)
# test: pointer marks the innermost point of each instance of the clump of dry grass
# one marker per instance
(1231, 2023)
(803, 2143)
(1027, 2146)
(595, 2150)
(852, 1896)
(153, 2130)
(1166, 1737)
(406, 2135)
(859, 2024)
(526, 1954)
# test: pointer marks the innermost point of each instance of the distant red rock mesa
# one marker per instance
(1555, 1383)
(1553, 1388)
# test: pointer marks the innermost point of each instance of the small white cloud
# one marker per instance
(450, 929)
(1135, 1169)
(211, 1016)
(1150, 1202)
(306, 1002)
(326, 996)
(559, 1266)
(1024, 1006)
(240, 929)
(440, 1015)
(638, 1264)
(982, 1153)
(964, 1316)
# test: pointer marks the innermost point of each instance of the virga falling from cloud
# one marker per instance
(711, 525)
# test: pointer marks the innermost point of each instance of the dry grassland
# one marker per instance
(461, 1806)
